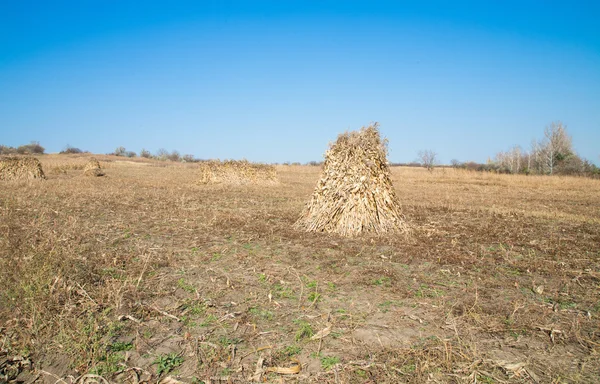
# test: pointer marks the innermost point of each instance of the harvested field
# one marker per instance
(148, 275)
(237, 172)
(20, 168)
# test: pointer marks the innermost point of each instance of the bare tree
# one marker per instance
(174, 155)
(428, 159)
(120, 151)
(145, 153)
(162, 154)
(515, 159)
(556, 146)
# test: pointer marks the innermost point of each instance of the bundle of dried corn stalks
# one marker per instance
(237, 172)
(92, 168)
(20, 168)
(355, 193)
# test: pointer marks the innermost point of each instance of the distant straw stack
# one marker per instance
(20, 168)
(237, 172)
(92, 168)
(355, 193)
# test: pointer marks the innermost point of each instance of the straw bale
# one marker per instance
(92, 168)
(355, 192)
(237, 172)
(20, 168)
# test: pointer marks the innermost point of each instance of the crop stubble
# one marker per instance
(499, 279)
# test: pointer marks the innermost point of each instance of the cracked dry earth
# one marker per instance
(145, 275)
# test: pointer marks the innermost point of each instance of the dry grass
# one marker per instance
(237, 172)
(20, 168)
(147, 272)
(355, 193)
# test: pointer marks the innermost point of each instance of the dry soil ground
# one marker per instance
(144, 275)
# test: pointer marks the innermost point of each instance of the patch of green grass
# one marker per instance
(262, 277)
(335, 335)
(189, 322)
(485, 379)
(311, 284)
(283, 292)
(513, 271)
(314, 297)
(119, 346)
(517, 334)
(304, 330)
(408, 368)
(382, 282)
(208, 320)
(194, 309)
(567, 305)
(108, 364)
(167, 362)
(113, 272)
(426, 291)
(185, 286)
(261, 313)
(225, 341)
(331, 286)
(216, 256)
(386, 305)
(292, 350)
(361, 373)
(327, 362)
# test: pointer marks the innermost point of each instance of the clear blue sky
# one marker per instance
(277, 81)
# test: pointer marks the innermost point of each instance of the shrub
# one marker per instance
(6, 150)
(145, 154)
(120, 151)
(162, 154)
(33, 148)
(68, 150)
(174, 156)
(189, 159)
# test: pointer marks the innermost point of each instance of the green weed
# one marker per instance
(304, 330)
(167, 362)
(382, 282)
(327, 362)
(185, 286)
(262, 313)
(314, 297)
(209, 320)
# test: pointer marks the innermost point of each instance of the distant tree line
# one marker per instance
(162, 154)
(553, 154)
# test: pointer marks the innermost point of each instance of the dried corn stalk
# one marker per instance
(92, 168)
(20, 168)
(355, 193)
(237, 172)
